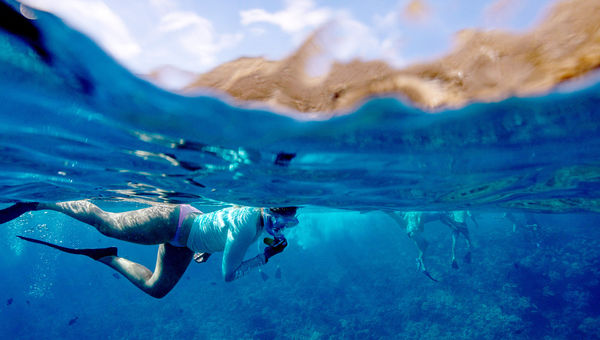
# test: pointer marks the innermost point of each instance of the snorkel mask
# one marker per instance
(275, 222)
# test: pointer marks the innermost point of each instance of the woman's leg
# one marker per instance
(421, 244)
(457, 229)
(171, 263)
(153, 225)
(453, 251)
(16, 210)
(465, 232)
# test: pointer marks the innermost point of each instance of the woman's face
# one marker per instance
(277, 220)
(285, 218)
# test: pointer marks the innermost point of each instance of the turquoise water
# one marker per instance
(74, 124)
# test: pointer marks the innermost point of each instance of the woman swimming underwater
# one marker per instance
(180, 231)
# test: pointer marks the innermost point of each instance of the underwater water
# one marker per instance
(74, 124)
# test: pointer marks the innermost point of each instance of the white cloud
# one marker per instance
(89, 16)
(163, 5)
(172, 36)
(389, 20)
(178, 20)
(258, 31)
(356, 39)
(160, 33)
(344, 39)
(347, 38)
(296, 17)
(184, 31)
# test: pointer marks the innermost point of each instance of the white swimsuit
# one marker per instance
(209, 232)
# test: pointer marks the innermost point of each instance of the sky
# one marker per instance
(198, 35)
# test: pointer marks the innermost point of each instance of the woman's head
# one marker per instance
(285, 211)
(276, 219)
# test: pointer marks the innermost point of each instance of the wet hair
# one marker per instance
(285, 210)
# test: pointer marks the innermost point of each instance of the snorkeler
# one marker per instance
(414, 223)
(513, 219)
(530, 222)
(180, 231)
(529, 226)
(457, 221)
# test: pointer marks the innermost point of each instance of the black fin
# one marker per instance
(94, 253)
(15, 211)
(429, 276)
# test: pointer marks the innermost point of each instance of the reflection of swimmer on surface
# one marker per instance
(179, 230)
(457, 221)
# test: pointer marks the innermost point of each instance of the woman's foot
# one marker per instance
(454, 264)
(16, 210)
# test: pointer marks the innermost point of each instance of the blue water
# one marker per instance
(74, 124)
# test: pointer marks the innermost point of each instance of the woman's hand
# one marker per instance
(275, 247)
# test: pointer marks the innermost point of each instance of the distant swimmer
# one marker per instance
(414, 223)
(528, 224)
(531, 222)
(180, 231)
(457, 221)
(513, 219)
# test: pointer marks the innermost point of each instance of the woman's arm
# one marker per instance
(238, 241)
(231, 272)
(245, 267)
(234, 266)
